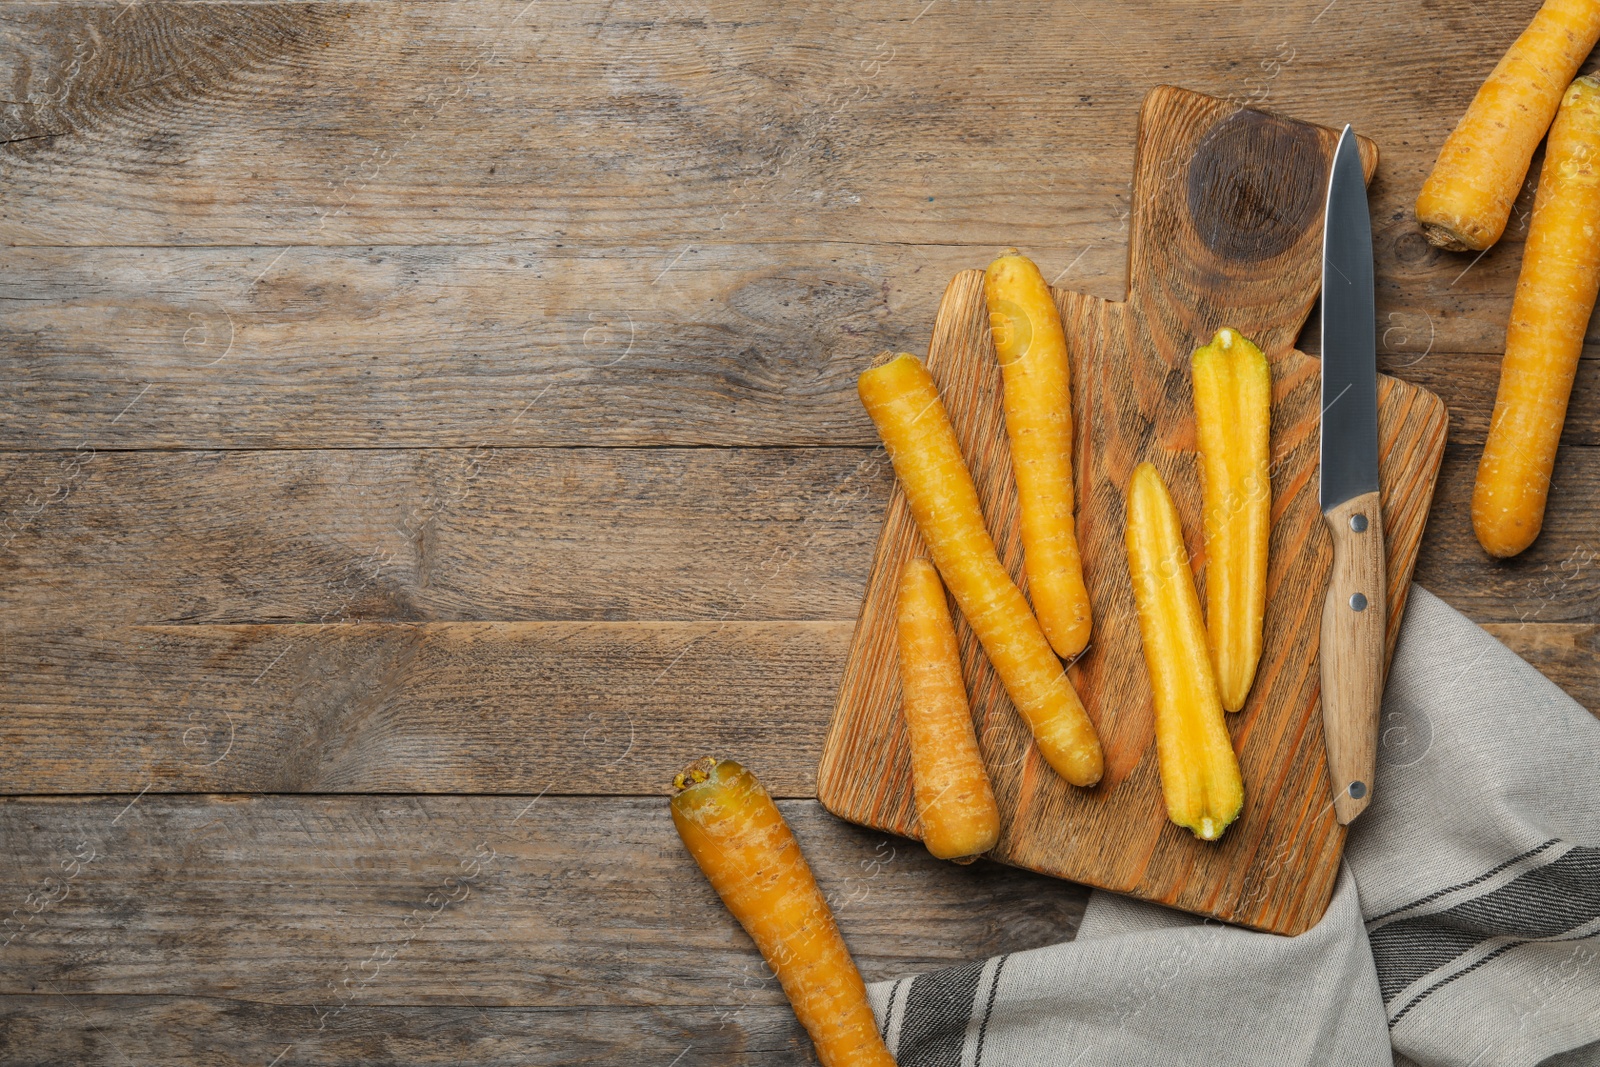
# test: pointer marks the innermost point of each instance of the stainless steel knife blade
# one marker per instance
(1349, 335)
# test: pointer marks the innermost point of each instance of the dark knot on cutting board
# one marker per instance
(1255, 185)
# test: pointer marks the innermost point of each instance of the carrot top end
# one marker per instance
(698, 771)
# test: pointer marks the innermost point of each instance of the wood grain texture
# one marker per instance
(535, 342)
(394, 122)
(392, 225)
(574, 534)
(459, 708)
(317, 904)
(1557, 579)
(1351, 652)
(437, 707)
(447, 346)
(1226, 231)
(47, 1030)
(431, 78)
(1564, 653)
(610, 143)
(718, 535)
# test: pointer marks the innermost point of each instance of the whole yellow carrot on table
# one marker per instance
(740, 840)
(1032, 348)
(955, 801)
(1233, 423)
(1199, 771)
(1555, 293)
(1467, 198)
(904, 403)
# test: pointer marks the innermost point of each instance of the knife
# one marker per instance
(1353, 613)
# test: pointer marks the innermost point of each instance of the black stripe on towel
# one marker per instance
(938, 1007)
(1490, 873)
(988, 1009)
(888, 1011)
(1496, 954)
(1541, 903)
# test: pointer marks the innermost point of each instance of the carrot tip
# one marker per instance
(1445, 238)
(697, 772)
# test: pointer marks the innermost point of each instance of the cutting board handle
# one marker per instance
(1226, 223)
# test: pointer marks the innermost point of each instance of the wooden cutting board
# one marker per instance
(1226, 230)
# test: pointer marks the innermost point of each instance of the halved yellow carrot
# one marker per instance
(740, 840)
(955, 802)
(1199, 771)
(1555, 293)
(1032, 348)
(1233, 422)
(903, 401)
(1467, 198)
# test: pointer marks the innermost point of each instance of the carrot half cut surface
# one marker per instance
(904, 403)
(1032, 348)
(740, 840)
(1199, 771)
(955, 802)
(1556, 291)
(1233, 422)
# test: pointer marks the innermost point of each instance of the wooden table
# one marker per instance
(429, 425)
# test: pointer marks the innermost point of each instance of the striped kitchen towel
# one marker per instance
(1465, 928)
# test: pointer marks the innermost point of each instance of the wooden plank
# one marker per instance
(1557, 579)
(154, 538)
(319, 903)
(465, 122)
(526, 534)
(511, 344)
(47, 1030)
(567, 534)
(1228, 235)
(457, 707)
(551, 343)
(1467, 382)
(561, 708)
(1563, 652)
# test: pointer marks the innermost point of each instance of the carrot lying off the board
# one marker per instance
(738, 837)
(1199, 772)
(1233, 422)
(903, 401)
(1555, 294)
(1032, 347)
(955, 802)
(1467, 198)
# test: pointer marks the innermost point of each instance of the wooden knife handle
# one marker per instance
(1352, 652)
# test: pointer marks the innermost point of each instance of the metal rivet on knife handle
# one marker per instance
(1358, 523)
(1358, 602)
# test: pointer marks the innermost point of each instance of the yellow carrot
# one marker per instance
(1467, 198)
(955, 802)
(1233, 421)
(739, 838)
(904, 403)
(1032, 348)
(1555, 294)
(1199, 771)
